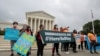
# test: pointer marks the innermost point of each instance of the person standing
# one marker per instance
(74, 42)
(85, 42)
(12, 42)
(55, 45)
(66, 44)
(93, 42)
(82, 40)
(78, 40)
(40, 45)
(62, 44)
(28, 31)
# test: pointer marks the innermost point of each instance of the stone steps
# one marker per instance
(5, 45)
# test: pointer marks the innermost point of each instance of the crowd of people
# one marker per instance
(79, 43)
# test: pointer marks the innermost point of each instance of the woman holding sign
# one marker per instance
(62, 44)
(66, 44)
(55, 45)
(40, 45)
(28, 31)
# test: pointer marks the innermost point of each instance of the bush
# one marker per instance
(2, 32)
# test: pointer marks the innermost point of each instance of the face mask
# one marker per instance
(42, 28)
(15, 25)
(24, 27)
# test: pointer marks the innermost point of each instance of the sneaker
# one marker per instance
(12, 54)
(52, 54)
(67, 52)
(30, 53)
(75, 51)
(96, 52)
(91, 52)
(58, 54)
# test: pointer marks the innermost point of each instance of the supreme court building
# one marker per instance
(34, 19)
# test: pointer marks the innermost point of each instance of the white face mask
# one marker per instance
(42, 28)
(24, 27)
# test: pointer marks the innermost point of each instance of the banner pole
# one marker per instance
(92, 22)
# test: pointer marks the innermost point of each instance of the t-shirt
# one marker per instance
(91, 36)
(85, 37)
(77, 36)
(82, 37)
(77, 39)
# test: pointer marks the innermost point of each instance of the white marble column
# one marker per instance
(38, 23)
(31, 23)
(27, 21)
(50, 25)
(46, 24)
(43, 22)
(34, 25)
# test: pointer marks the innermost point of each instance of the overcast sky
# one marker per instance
(72, 13)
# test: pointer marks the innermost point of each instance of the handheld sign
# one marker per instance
(24, 43)
(11, 34)
(55, 37)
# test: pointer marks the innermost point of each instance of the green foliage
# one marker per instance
(88, 27)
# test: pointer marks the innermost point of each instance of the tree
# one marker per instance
(88, 27)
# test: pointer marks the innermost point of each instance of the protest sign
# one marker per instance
(24, 43)
(11, 34)
(55, 36)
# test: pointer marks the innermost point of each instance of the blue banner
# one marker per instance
(11, 34)
(24, 43)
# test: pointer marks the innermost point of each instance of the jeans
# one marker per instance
(66, 46)
(55, 47)
(93, 44)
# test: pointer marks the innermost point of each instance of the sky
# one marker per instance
(72, 13)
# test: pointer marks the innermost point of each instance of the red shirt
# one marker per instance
(38, 36)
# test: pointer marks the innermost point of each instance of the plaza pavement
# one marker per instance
(48, 53)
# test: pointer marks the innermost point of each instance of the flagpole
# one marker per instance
(92, 21)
